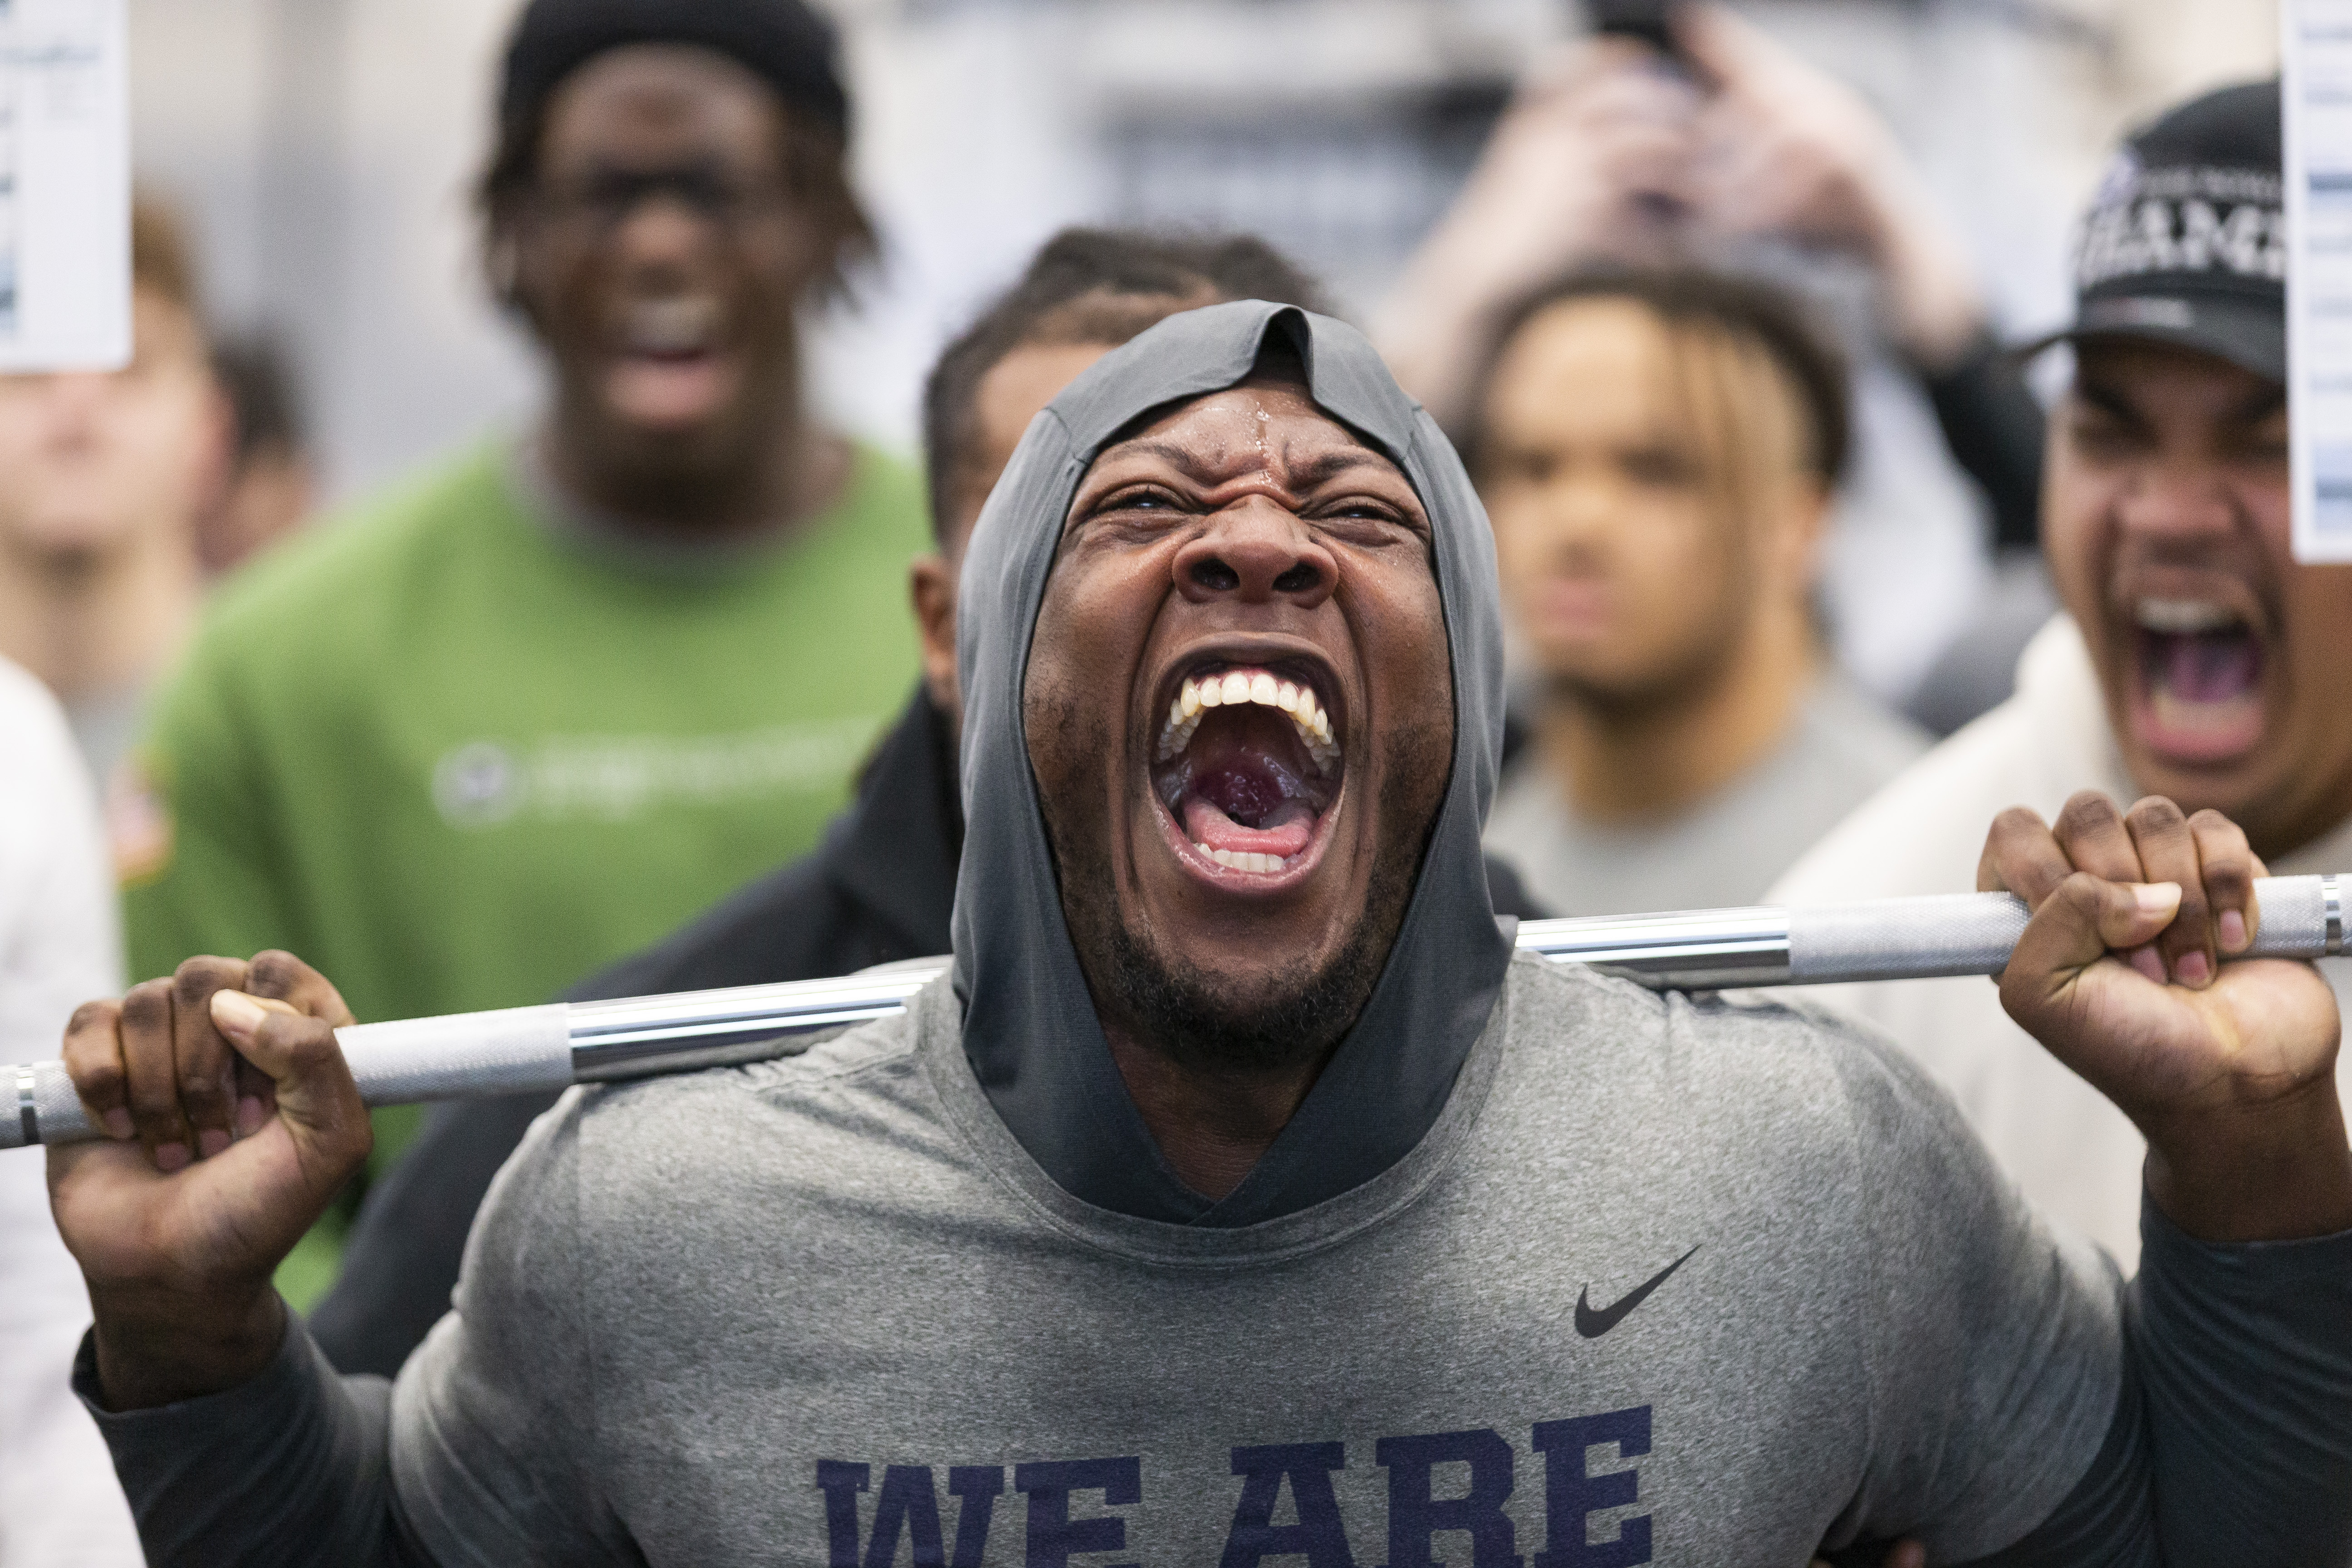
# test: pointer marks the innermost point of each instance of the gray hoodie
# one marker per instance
(1029, 1023)
(1551, 1271)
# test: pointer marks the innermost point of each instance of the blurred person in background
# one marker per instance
(102, 477)
(881, 887)
(539, 706)
(1734, 154)
(1658, 451)
(2196, 659)
(60, 1506)
(271, 484)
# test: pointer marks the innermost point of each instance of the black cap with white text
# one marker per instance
(2185, 242)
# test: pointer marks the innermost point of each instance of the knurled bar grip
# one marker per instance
(1974, 934)
(459, 1056)
(520, 1049)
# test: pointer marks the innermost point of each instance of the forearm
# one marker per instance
(290, 1468)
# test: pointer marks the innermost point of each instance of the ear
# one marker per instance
(931, 581)
(502, 265)
(1803, 523)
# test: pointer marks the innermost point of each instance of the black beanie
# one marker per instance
(788, 45)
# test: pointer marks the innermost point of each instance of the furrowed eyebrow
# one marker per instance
(1329, 466)
(1314, 471)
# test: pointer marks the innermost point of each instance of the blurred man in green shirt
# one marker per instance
(532, 711)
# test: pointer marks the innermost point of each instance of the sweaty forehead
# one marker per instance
(1261, 426)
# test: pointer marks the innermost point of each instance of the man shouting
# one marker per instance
(1240, 1200)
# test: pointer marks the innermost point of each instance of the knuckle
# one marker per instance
(308, 1042)
(2155, 812)
(95, 1075)
(198, 978)
(276, 972)
(93, 1018)
(2085, 810)
(147, 1003)
(2016, 820)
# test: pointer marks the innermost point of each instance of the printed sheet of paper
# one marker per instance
(65, 186)
(2318, 92)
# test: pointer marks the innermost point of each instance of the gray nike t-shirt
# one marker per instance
(826, 1311)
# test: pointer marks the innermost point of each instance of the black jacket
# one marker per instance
(880, 888)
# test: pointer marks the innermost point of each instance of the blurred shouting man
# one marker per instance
(1239, 1197)
(535, 711)
(2195, 660)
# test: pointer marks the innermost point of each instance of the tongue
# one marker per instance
(2209, 668)
(1286, 830)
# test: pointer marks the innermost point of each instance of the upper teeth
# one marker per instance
(671, 326)
(2184, 617)
(1239, 686)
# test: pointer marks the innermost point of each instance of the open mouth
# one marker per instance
(2199, 692)
(669, 366)
(1247, 767)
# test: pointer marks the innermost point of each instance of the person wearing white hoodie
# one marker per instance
(60, 1506)
(2195, 660)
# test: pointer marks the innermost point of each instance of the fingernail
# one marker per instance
(2153, 898)
(118, 1123)
(2145, 960)
(211, 1141)
(237, 1012)
(2192, 969)
(250, 1115)
(170, 1157)
(2233, 931)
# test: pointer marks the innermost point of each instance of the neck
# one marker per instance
(1629, 763)
(93, 622)
(1212, 1127)
(664, 488)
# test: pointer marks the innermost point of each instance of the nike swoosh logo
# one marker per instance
(1592, 1322)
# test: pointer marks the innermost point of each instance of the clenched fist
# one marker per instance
(2230, 1070)
(232, 1121)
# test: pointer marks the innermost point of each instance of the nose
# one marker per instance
(2178, 500)
(1257, 551)
(659, 237)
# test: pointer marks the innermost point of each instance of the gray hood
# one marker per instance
(1029, 1021)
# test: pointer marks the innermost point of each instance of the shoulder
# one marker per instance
(1783, 1070)
(1860, 735)
(322, 601)
(1921, 833)
(665, 1149)
(346, 548)
(885, 491)
(772, 928)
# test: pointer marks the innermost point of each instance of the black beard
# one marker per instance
(1189, 1015)
(1194, 1017)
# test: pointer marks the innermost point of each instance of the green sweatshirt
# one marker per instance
(457, 753)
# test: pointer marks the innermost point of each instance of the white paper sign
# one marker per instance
(2318, 99)
(65, 186)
